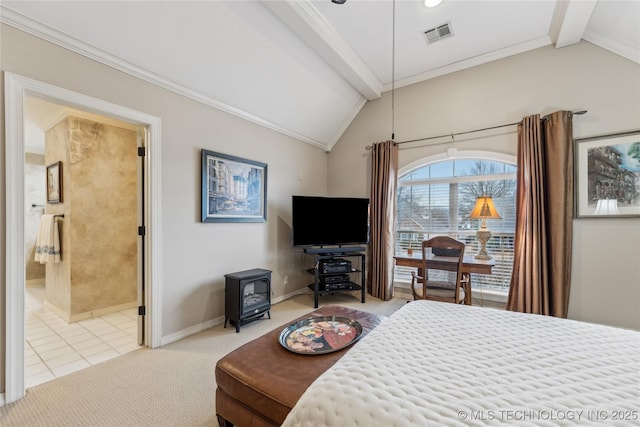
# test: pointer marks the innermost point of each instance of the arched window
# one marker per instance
(435, 197)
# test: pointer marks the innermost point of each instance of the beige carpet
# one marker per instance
(169, 386)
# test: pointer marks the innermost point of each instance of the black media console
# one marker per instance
(333, 271)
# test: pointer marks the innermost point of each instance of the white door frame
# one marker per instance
(16, 88)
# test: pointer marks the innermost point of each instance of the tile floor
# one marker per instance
(54, 348)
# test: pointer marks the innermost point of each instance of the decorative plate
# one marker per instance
(320, 335)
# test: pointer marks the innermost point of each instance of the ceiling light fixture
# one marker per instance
(432, 3)
(342, 1)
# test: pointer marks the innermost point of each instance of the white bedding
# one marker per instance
(433, 363)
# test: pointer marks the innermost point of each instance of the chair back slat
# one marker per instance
(441, 270)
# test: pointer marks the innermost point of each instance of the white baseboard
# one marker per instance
(289, 295)
(1, 399)
(184, 333)
(191, 330)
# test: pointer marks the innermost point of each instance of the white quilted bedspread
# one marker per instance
(440, 364)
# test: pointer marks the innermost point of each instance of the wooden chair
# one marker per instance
(441, 277)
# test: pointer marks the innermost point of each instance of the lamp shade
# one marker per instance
(484, 209)
(607, 207)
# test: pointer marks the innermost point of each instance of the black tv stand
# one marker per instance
(334, 250)
(339, 279)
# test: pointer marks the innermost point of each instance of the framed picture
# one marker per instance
(607, 170)
(233, 189)
(54, 183)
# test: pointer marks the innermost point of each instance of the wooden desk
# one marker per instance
(469, 265)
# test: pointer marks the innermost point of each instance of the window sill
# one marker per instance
(494, 297)
(490, 295)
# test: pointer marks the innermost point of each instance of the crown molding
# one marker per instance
(614, 46)
(472, 62)
(17, 20)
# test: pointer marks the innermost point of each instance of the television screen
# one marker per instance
(319, 221)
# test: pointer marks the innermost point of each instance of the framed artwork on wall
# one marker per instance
(54, 183)
(607, 181)
(233, 189)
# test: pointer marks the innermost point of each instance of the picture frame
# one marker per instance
(233, 189)
(54, 183)
(607, 176)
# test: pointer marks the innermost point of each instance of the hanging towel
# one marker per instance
(48, 240)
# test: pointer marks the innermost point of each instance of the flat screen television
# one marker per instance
(329, 221)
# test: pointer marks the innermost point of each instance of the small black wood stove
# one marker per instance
(247, 296)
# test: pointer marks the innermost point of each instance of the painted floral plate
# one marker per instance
(320, 335)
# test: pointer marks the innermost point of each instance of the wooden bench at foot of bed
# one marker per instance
(259, 383)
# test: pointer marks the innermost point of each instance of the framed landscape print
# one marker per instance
(607, 182)
(54, 183)
(233, 189)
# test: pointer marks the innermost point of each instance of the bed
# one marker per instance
(441, 364)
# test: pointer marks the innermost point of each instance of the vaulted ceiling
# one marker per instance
(305, 68)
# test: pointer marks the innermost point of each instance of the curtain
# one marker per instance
(541, 275)
(384, 177)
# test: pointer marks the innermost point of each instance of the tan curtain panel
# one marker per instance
(544, 210)
(384, 178)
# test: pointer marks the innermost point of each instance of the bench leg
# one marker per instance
(222, 422)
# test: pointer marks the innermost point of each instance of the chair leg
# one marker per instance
(467, 289)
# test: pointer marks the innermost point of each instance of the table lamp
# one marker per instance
(484, 209)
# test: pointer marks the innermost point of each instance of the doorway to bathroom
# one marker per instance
(81, 308)
(148, 310)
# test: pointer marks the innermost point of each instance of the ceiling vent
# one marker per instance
(440, 32)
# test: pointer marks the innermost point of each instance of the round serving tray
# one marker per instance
(320, 335)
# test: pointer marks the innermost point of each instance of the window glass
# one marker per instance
(442, 169)
(419, 173)
(437, 198)
(463, 165)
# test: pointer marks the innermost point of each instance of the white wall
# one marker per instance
(605, 284)
(196, 255)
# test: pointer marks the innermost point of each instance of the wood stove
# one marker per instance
(247, 296)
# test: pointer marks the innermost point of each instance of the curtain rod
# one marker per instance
(368, 147)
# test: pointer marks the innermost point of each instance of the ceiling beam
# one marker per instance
(308, 24)
(570, 21)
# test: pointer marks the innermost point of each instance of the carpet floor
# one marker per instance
(173, 385)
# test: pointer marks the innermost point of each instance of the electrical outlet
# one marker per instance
(286, 280)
